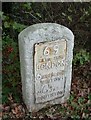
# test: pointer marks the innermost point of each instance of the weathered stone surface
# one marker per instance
(49, 70)
(46, 52)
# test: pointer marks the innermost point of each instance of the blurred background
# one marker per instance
(77, 17)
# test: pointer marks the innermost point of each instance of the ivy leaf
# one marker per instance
(19, 27)
(6, 25)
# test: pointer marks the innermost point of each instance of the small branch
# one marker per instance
(32, 16)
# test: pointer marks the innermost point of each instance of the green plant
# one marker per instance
(11, 68)
(81, 57)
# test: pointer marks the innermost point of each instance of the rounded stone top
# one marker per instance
(46, 28)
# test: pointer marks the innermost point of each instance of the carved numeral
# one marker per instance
(46, 51)
(56, 49)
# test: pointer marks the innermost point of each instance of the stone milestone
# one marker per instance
(46, 53)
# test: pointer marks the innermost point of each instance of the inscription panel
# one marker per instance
(49, 67)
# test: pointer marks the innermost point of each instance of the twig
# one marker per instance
(33, 16)
(47, 11)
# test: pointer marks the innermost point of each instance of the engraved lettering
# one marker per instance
(49, 70)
